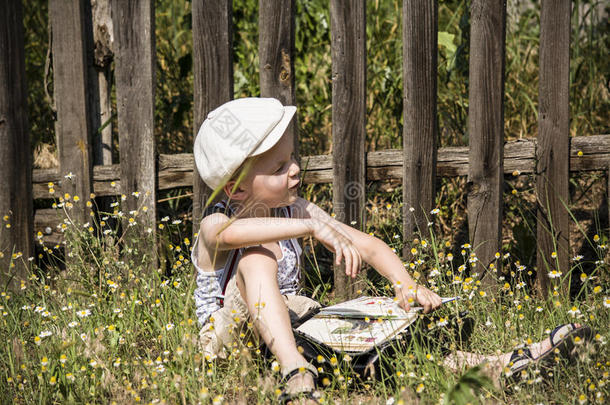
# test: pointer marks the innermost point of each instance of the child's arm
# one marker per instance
(379, 255)
(219, 232)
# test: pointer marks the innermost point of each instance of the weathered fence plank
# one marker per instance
(72, 128)
(348, 53)
(16, 201)
(133, 23)
(176, 170)
(420, 32)
(276, 54)
(486, 131)
(552, 179)
(212, 74)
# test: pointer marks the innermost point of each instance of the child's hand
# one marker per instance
(406, 296)
(427, 299)
(335, 240)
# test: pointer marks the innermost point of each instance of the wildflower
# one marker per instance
(169, 326)
(176, 222)
(574, 311)
(554, 255)
(53, 380)
(449, 257)
(539, 309)
(37, 340)
(596, 238)
(44, 361)
(577, 258)
(607, 302)
(597, 289)
(136, 194)
(435, 211)
(419, 388)
(70, 376)
(45, 333)
(583, 277)
(63, 358)
(554, 274)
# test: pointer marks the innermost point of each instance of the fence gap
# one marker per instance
(348, 53)
(101, 78)
(134, 29)
(16, 226)
(552, 169)
(486, 133)
(420, 46)
(212, 75)
(71, 98)
(276, 54)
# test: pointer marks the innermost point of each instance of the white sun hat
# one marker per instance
(235, 131)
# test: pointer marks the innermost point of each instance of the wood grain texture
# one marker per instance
(71, 98)
(276, 54)
(16, 201)
(420, 45)
(348, 53)
(486, 131)
(176, 170)
(133, 23)
(552, 167)
(212, 74)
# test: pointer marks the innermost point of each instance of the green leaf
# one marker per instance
(445, 40)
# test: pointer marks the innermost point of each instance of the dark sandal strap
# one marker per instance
(312, 394)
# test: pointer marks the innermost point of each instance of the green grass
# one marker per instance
(112, 328)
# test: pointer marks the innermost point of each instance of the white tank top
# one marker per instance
(211, 285)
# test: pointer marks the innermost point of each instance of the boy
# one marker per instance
(247, 254)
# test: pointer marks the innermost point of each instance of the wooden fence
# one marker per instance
(487, 159)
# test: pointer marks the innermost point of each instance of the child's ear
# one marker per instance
(234, 193)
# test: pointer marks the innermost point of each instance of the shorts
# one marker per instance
(224, 326)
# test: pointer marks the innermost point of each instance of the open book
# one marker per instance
(360, 324)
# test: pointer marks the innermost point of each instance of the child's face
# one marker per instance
(274, 177)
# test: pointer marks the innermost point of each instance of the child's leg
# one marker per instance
(495, 363)
(257, 282)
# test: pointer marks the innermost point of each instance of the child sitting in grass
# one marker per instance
(247, 255)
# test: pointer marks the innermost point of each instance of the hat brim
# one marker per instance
(276, 133)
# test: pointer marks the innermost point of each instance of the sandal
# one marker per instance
(563, 339)
(309, 394)
(520, 360)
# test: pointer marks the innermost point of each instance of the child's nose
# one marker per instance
(294, 169)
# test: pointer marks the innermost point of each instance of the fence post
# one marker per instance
(348, 53)
(420, 44)
(212, 75)
(276, 54)
(486, 132)
(72, 128)
(134, 30)
(16, 226)
(552, 168)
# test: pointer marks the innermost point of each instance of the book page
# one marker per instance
(361, 323)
